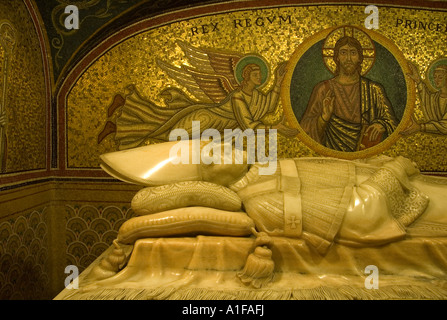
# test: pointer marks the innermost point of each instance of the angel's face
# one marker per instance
(440, 78)
(256, 77)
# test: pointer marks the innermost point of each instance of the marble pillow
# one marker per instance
(185, 194)
(186, 222)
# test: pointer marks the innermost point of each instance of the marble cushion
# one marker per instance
(185, 194)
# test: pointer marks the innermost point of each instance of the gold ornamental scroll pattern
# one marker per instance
(274, 34)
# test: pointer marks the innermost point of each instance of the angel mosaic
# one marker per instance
(227, 89)
(433, 96)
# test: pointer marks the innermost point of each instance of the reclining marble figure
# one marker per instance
(367, 202)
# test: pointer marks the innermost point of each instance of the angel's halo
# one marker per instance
(429, 75)
(248, 59)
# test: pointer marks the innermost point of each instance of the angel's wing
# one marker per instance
(210, 78)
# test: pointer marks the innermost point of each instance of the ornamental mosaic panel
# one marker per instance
(24, 257)
(328, 83)
(90, 230)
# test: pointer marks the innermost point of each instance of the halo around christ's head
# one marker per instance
(369, 51)
(249, 59)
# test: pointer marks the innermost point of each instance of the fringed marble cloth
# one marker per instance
(206, 267)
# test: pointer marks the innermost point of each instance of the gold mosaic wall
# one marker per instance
(273, 33)
(25, 95)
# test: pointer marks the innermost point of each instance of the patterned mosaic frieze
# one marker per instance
(24, 257)
(90, 230)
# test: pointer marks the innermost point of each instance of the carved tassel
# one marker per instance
(259, 268)
(110, 265)
(117, 258)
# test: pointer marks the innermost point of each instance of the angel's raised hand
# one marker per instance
(414, 75)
